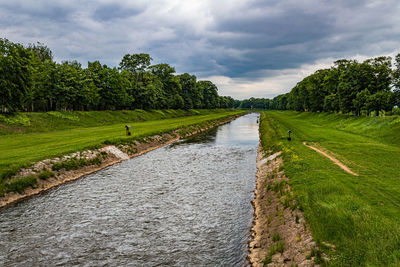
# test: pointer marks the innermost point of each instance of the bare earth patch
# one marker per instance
(280, 234)
(336, 161)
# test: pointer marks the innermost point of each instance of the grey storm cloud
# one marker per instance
(114, 11)
(236, 38)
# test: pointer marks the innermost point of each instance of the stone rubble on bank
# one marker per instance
(116, 152)
(281, 236)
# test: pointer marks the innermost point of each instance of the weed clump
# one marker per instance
(19, 184)
(44, 175)
(276, 237)
(279, 186)
(75, 163)
(317, 254)
(277, 247)
(269, 220)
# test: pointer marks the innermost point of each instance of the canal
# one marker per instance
(186, 204)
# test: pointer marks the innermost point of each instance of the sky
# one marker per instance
(248, 48)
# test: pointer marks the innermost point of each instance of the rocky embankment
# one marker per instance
(280, 234)
(53, 172)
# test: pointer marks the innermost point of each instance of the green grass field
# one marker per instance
(62, 120)
(64, 135)
(360, 215)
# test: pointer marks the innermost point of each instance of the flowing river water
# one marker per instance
(186, 204)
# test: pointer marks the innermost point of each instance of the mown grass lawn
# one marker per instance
(19, 149)
(358, 214)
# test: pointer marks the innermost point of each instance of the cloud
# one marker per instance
(267, 84)
(248, 47)
(114, 11)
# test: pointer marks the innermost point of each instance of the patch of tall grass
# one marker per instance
(20, 184)
(75, 163)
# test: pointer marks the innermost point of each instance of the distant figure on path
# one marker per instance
(128, 133)
(289, 138)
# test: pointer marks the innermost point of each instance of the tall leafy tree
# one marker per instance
(210, 94)
(15, 75)
(382, 100)
(396, 81)
(361, 101)
(190, 92)
(75, 90)
(149, 93)
(43, 70)
(136, 64)
(171, 85)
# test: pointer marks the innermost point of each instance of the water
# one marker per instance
(186, 204)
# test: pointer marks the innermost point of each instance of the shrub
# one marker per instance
(94, 161)
(44, 175)
(74, 163)
(19, 184)
(8, 173)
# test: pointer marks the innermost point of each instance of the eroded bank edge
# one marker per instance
(280, 234)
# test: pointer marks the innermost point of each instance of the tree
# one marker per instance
(149, 94)
(190, 93)
(42, 75)
(30, 80)
(380, 76)
(380, 101)
(75, 90)
(350, 83)
(135, 63)
(361, 100)
(171, 85)
(315, 90)
(210, 94)
(15, 75)
(113, 92)
(331, 103)
(396, 81)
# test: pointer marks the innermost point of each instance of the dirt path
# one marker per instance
(336, 161)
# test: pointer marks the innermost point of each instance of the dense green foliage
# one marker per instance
(52, 135)
(358, 214)
(31, 81)
(347, 87)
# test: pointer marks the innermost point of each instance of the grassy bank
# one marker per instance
(358, 214)
(44, 138)
(58, 120)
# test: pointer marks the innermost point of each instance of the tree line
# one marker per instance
(349, 86)
(30, 80)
